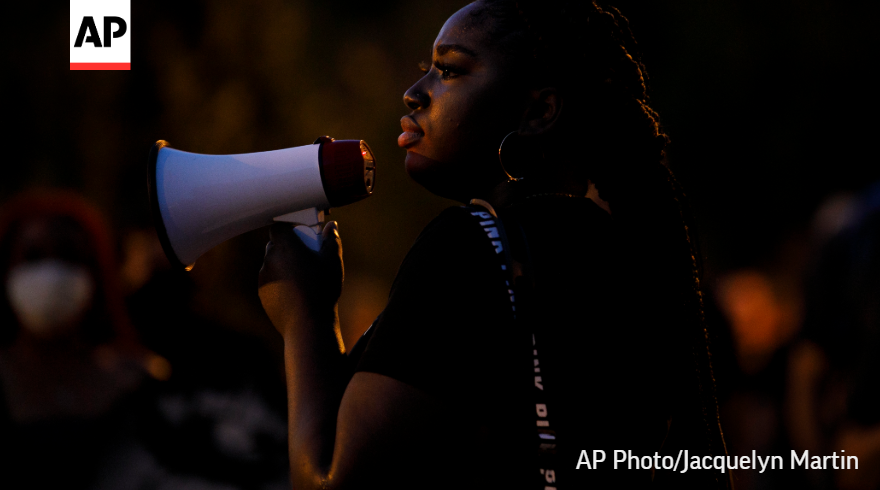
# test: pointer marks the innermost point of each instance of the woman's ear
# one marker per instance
(542, 112)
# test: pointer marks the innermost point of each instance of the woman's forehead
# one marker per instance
(461, 31)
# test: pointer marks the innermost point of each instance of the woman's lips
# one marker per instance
(412, 132)
(408, 138)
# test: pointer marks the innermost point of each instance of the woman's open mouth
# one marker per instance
(412, 132)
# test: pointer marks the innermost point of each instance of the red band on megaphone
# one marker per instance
(347, 171)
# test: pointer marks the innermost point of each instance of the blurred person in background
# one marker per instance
(69, 358)
(218, 421)
(763, 317)
(834, 369)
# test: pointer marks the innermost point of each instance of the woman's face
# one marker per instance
(461, 110)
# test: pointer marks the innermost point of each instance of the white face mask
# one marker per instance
(47, 295)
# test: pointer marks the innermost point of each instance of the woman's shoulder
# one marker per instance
(456, 229)
(469, 229)
(448, 286)
(453, 249)
(454, 218)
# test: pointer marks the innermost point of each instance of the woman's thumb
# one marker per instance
(331, 243)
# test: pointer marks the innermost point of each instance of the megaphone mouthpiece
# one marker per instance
(198, 201)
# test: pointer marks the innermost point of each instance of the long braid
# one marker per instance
(704, 343)
(584, 48)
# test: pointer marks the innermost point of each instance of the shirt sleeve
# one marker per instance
(444, 311)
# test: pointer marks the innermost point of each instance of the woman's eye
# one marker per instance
(446, 72)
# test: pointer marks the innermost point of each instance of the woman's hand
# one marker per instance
(296, 282)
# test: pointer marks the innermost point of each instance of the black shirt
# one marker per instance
(447, 330)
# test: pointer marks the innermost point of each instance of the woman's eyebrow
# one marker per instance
(447, 48)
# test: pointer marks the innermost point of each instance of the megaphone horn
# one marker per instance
(198, 201)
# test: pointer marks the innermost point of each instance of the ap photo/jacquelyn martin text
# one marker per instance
(684, 462)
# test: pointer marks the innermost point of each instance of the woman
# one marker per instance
(434, 396)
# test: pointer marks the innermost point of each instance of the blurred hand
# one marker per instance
(296, 282)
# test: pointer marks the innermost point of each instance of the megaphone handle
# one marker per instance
(309, 236)
(309, 223)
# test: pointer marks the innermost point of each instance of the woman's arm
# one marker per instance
(344, 431)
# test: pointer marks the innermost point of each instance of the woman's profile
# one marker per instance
(438, 392)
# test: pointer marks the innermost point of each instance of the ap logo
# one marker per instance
(100, 34)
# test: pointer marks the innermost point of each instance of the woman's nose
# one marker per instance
(415, 98)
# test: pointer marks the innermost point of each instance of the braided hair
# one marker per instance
(588, 52)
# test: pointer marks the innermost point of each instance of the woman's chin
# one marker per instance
(435, 176)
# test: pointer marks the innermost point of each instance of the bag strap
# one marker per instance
(512, 271)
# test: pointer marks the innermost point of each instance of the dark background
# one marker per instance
(771, 107)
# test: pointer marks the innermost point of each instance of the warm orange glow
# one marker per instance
(752, 309)
(761, 317)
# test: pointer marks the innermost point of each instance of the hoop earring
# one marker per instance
(510, 178)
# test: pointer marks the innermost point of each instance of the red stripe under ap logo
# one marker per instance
(100, 66)
(100, 35)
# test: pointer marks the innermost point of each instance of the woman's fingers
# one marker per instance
(331, 242)
(331, 229)
(282, 235)
(281, 251)
(288, 258)
(331, 248)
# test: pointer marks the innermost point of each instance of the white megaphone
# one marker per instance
(198, 201)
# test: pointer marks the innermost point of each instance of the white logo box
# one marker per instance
(106, 14)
